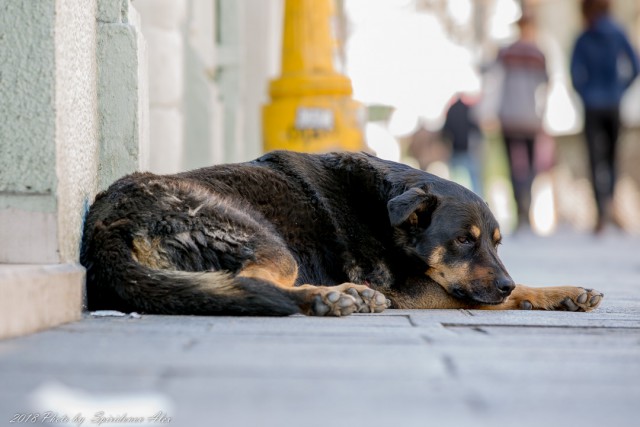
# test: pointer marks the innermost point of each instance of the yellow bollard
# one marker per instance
(311, 108)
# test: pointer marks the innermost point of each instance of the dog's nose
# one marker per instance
(505, 285)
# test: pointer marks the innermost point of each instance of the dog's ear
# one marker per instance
(407, 207)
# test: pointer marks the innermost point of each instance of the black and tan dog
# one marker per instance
(292, 233)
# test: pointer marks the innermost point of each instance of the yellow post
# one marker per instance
(311, 108)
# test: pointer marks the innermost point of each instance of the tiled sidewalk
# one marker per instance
(399, 368)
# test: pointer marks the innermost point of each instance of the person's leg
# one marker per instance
(529, 143)
(612, 130)
(611, 125)
(518, 166)
(593, 136)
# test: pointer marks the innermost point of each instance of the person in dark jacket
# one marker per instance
(603, 66)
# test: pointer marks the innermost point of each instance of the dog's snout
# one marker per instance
(505, 285)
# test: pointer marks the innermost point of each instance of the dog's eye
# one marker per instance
(463, 240)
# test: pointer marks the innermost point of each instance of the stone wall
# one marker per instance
(48, 134)
(72, 103)
(123, 104)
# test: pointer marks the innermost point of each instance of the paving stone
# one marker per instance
(329, 400)
(557, 404)
(521, 318)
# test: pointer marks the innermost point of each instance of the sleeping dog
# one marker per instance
(323, 235)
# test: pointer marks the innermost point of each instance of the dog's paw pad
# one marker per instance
(594, 301)
(356, 295)
(367, 299)
(333, 303)
(526, 305)
(333, 296)
(585, 300)
(319, 308)
(589, 299)
(569, 304)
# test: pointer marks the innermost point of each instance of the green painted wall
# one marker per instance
(65, 130)
(27, 100)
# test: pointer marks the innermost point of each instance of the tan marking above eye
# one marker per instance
(496, 235)
(475, 231)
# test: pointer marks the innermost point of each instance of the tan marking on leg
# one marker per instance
(219, 282)
(475, 231)
(564, 298)
(269, 274)
(278, 267)
(427, 294)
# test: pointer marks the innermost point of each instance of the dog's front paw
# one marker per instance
(328, 302)
(341, 300)
(560, 298)
(367, 300)
(581, 299)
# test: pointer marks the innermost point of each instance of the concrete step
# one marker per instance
(34, 297)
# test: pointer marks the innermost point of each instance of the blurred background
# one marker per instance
(212, 62)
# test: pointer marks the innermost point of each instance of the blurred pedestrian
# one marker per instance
(521, 108)
(603, 66)
(463, 133)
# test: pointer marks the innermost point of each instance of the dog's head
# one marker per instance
(453, 235)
